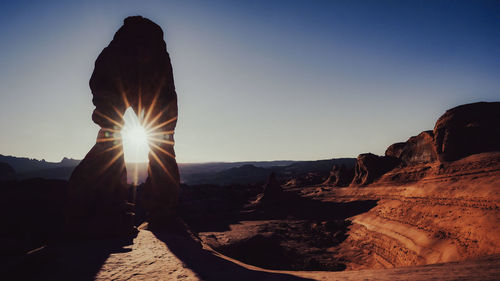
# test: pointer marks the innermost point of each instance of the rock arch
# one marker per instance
(134, 70)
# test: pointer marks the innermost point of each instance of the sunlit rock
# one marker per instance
(468, 129)
(370, 167)
(417, 149)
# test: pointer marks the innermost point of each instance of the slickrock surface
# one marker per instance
(452, 214)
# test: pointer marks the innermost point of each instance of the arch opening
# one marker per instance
(135, 139)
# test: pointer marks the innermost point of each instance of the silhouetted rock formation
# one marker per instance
(340, 175)
(272, 189)
(468, 129)
(370, 167)
(133, 71)
(7, 173)
(417, 149)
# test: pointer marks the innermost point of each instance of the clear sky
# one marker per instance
(256, 80)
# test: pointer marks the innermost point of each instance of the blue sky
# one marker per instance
(256, 80)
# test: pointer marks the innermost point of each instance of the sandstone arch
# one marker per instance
(134, 70)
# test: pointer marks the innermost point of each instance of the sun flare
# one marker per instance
(136, 144)
(140, 138)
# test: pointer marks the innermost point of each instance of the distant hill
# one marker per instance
(250, 172)
(220, 173)
(245, 174)
(7, 173)
(33, 168)
(204, 173)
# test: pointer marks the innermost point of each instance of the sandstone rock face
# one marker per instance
(7, 173)
(133, 71)
(416, 150)
(468, 129)
(370, 167)
(272, 189)
(462, 131)
(340, 175)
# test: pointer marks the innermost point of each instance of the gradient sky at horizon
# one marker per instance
(256, 80)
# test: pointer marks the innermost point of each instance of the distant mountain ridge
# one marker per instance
(250, 172)
(33, 168)
(191, 173)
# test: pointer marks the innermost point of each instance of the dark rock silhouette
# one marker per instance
(417, 149)
(133, 71)
(272, 189)
(7, 173)
(468, 129)
(340, 175)
(370, 167)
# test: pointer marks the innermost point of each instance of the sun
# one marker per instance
(135, 138)
(136, 135)
(142, 139)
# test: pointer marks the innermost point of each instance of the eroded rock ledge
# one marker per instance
(461, 131)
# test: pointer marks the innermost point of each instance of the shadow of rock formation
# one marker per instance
(290, 232)
(205, 263)
(69, 260)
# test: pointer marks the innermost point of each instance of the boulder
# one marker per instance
(468, 129)
(134, 70)
(416, 150)
(370, 167)
(340, 176)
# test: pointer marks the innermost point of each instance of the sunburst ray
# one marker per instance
(108, 118)
(158, 160)
(162, 124)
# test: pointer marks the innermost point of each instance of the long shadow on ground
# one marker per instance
(69, 260)
(291, 232)
(205, 264)
(290, 206)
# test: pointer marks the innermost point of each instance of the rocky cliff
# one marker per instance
(460, 132)
(468, 129)
(438, 197)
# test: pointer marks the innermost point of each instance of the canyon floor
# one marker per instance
(443, 226)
